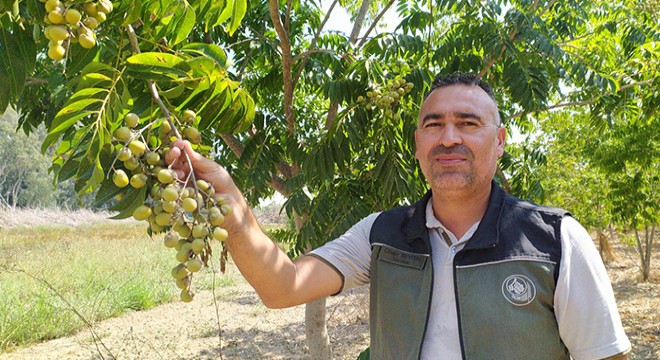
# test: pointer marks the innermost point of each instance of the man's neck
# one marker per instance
(458, 212)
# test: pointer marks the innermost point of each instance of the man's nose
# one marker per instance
(450, 136)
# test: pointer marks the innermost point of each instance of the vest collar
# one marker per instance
(415, 227)
(487, 234)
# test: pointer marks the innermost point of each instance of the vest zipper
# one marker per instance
(428, 307)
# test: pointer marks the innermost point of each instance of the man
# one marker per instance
(467, 272)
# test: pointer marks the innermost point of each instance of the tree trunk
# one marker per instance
(604, 247)
(316, 331)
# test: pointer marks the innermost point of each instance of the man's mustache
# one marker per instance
(452, 150)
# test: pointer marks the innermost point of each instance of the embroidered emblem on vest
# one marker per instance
(518, 290)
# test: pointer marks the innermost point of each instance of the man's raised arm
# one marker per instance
(279, 281)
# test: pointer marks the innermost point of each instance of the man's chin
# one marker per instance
(451, 182)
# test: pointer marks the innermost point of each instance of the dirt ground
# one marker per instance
(251, 331)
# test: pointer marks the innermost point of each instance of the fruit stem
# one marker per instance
(132, 37)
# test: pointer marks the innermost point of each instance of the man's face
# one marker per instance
(458, 139)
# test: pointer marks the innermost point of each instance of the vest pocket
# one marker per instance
(400, 294)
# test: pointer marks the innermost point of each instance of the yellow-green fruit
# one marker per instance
(170, 240)
(152, 158)
(220, 234)
(189, 204)
(131, 120)
(226, 210)
(100, 16)
(86, 40)
(105, 6)
(155, 191)
(189, 116)
(202, 185)
(194, 265)
(183, 283)
(91, 23)
(155, 227)
(124, 154)
(219, 198)
(132, 163)
(138, 180)
(183, 255)
(137, 147)
(72, 16)
(166, 176)
(199, 231)
(52, 5)
(122, 134)
(198, 245)
(57, 32)
(170, 193)
(164, 128)
(120, 178)
(53, 43)
(216, 219)
(170, 206)
(179, 244)
(142, 212)
(180, 271)
(187, 295)
(163, 219)
(183, 230)
(56, 17)
(192, 135)
(158, 208)
(90, 8)
(56, 52)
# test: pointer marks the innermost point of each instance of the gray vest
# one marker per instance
(504, 282)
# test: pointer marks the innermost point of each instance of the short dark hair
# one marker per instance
(461, 78)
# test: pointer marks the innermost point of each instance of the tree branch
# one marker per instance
(376, 20)
(511, 36)
(275, 182)
(579, 103)
(285, 44)
(305, 57)
(312, 45)
(359, 20)
(35, 81)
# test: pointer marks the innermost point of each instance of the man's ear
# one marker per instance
(501, 140)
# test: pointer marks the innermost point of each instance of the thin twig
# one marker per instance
(95, 337)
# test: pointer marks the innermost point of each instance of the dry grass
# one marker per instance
(15, 217)
(251, 331)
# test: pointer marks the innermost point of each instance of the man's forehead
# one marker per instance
(457, 96)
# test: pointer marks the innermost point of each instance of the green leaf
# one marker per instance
(64, 123)
(130, 201)
(238, 12)
(209, 50)
(106, 192)
(17, 60)
(157, 66)
(184, 24)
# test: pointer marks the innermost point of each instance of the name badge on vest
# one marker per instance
(403, 258)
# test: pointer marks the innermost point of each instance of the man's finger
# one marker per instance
(172, 155)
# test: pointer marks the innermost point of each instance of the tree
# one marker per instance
(335, 115)
(23, 169)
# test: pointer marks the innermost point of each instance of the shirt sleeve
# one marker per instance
(350, 253)
(587, 316)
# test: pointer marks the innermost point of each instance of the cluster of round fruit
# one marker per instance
(387, 97)
(66, 24)
(187, 211)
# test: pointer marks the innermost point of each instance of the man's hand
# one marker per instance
(279, 281)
